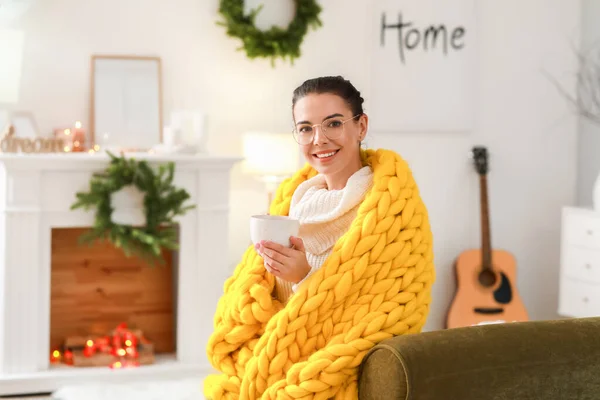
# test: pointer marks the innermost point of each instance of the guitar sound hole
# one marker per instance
(487, 278)
(480, 310)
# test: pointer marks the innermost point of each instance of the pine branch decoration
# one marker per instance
(162, 203)
(275, 42)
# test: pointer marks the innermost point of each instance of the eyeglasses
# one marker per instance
(332, 128)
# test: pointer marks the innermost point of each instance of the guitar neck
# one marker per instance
(485, 224)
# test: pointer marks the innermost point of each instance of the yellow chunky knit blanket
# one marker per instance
(375, 284)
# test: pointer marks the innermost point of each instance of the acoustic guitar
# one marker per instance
(486, 291)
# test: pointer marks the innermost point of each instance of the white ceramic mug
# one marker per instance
(275, 228)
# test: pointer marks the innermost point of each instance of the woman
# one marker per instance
(330, 126)
(361, 272)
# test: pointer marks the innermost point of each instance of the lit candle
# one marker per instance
(78, 137)
(89, 348)
(55, 357)
(130, 339)
(116, 365)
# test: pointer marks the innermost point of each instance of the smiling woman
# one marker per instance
(330, 125)
(295, 322)
(335, 106)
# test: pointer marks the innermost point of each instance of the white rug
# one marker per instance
(185, 389)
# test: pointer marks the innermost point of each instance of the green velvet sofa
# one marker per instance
(536, 360)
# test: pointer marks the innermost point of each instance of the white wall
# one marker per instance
(588, 160)
(530, 132)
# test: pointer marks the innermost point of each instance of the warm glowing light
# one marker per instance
(89, 343)
(91, 151)
(117, 364)
(55, 356)
(67, 149)
(67, 132)
(78, 124)
(128, 342)
(76, 143)
(96, 147)
(121, 352)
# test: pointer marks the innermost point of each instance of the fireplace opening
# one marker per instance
(101, 301)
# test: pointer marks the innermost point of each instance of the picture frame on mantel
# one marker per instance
(126, 96)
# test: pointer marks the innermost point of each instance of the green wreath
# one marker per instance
(275, 42)
(162, 202)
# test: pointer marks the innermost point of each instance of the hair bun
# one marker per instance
(335, 85)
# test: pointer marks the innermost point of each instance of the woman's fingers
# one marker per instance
(273, 261)
(271, 269)
(275, 256)
(286, 251)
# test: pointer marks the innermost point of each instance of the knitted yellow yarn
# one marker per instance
(375, 284)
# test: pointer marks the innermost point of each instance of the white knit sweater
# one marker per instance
(324, 215)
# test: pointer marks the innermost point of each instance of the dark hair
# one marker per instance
(331, 84)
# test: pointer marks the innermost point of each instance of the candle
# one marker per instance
(89, 348)
(55, 357)
(78, 137)
(116, 365)
(130, 339)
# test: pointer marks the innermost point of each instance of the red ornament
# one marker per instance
(116, 341)
(68, 357)
(132, 352)
(103, 344)
(122, 344)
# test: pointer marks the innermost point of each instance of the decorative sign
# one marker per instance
(9, 143)
(422, 65)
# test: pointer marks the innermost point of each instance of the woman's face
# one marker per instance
(336, 147)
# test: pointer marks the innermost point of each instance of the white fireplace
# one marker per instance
(36, 192)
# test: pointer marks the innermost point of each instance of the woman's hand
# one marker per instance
(287, 263)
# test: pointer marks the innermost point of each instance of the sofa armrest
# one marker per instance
(557, 359)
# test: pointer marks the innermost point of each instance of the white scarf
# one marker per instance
(325, 215)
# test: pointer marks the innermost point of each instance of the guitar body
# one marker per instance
(476, 304)
(486, 278)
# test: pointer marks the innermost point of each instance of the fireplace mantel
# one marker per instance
(36, 192)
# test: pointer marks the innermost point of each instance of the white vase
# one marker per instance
(190, 127)
(128, 206)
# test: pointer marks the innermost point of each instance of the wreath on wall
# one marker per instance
(162, 202)
(275, 42)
